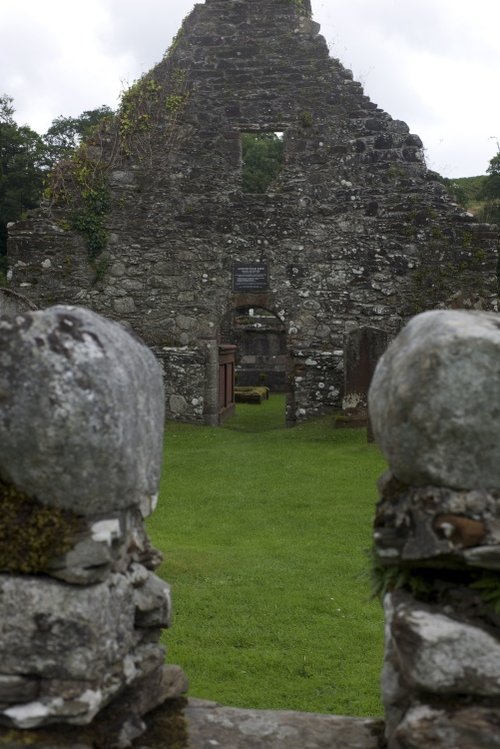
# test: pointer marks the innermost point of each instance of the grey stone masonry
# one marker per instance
(11, 302)
(434, 410)
(354, 231)
(210, 725)
(81, 612)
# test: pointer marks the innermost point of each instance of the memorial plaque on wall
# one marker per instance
(248, 277)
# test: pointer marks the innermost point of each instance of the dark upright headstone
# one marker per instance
(363, 347)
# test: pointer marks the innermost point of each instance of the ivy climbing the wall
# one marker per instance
(80, 183)
(302, 6)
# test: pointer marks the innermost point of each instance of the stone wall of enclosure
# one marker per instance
(151, 224)
(81, 612)
(434, 404)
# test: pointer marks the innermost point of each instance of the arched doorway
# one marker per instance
(261, 352)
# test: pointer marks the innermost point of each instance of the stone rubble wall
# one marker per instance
(184, 379)
(11, 302)
(81, 611)
(434, 409)
(356, 231)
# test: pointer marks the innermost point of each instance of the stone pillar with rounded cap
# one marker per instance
(435, 408)
(81, 612)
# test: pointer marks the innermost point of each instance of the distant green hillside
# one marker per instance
(466, 191)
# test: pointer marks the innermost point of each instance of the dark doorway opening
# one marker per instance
(261, 356)
(226, 381)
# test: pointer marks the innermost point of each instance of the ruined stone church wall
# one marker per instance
(355, 230)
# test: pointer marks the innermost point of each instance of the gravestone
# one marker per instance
(363, 347)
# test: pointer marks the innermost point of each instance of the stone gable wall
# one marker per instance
(355, 230)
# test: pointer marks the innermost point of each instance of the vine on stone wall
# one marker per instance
(175, 41)
(80, 184)
(135, 115)
(302, 6)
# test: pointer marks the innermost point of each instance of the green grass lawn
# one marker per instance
(265, 532)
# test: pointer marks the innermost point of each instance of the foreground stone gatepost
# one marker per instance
(81, 612)
(435, 406)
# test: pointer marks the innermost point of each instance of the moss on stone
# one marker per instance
(31, 533)
(14, 739)
(167, 727)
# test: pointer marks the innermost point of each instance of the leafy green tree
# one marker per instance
(66, 133)
(262, 155)
(490, 192)
(457, 191)
(21, 169)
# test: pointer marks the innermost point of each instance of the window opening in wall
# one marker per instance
(262, 160)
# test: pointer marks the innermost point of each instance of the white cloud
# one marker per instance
(434, 63)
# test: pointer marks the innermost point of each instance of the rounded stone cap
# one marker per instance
(435, 401)
(81, 411)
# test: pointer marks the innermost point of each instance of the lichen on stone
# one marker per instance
(32, 533)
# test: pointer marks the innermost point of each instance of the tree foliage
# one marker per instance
(480, 195)
(66, 133)
(21, 168)
(262, 155)
(26, 158)
(490, 192)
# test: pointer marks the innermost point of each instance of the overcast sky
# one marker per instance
(433, 63)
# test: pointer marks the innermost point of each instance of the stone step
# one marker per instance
(208, 725)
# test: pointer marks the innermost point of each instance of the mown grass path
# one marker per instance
(265, 532)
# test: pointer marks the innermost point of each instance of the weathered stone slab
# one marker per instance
(119, 726)
(58, 633)
(429, 397)
(210, 725)
(438, 654)
(54, 630)
(152, 600)
(107, 544)
(81, 411)
(472, 727)
(14, 689)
